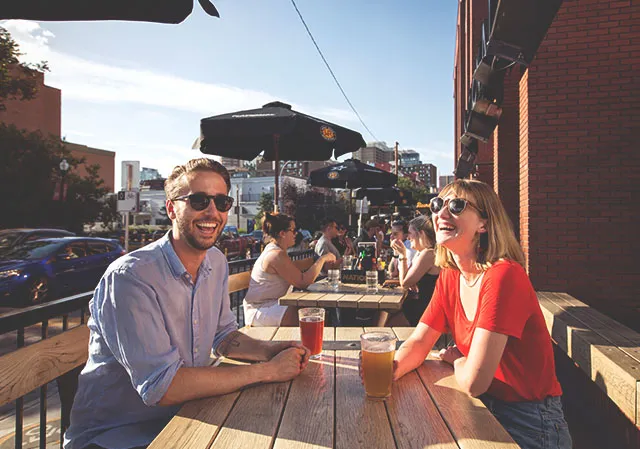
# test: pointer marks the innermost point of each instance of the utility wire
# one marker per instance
(331, 71)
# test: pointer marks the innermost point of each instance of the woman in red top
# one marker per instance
(503, 352)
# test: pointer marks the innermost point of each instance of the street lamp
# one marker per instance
(64, 167)
(277, 202)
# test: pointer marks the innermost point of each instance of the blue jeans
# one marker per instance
(533, 425)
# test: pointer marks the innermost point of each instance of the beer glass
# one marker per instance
(311, 329)
(378, 350)
(372, 281)
(333, 278)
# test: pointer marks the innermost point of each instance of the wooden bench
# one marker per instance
(607, 353)
(57, 358)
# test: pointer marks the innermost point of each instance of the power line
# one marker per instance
(331, 71)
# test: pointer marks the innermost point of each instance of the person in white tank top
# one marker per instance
(274, 274)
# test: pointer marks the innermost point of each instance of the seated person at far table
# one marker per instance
(156, 316)
(503, 353)
(371, 232)
(324, 246)
(399, 232)
(342, 242)
(274, 273)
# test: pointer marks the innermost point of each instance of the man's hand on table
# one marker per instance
(276, 347)
(287, 364)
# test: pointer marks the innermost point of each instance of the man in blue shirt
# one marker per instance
(157, 314)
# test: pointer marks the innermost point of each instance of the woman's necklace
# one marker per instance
(474, 282)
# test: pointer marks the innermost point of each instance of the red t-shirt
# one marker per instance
(508, 305)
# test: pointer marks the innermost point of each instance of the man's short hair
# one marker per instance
(371, 224)
(326, 223)
(400, 223)
(177, 179)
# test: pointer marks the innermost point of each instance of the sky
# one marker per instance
(140, 89)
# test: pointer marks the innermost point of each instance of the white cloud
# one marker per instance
(90, 81)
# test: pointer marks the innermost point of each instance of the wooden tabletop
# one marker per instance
(326, 407)
(354, 296)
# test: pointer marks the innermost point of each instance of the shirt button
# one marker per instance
(195, 322)
(195, 350)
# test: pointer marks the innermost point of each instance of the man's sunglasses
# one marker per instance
(456, 205)
(200, 201)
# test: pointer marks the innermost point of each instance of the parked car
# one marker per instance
(10, 238)
(232, 244)
(41, 270)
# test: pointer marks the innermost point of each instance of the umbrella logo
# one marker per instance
(327, 133)
(333, 175)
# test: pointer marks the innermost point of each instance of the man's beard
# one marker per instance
(185, 230)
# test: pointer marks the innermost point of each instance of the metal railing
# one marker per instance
(19, 320)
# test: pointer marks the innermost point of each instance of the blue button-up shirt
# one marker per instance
(148, 319)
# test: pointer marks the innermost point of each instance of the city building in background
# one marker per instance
(148, 174)
(374, 152)
(444, 180)
(408, 158)
(44, 114)
(564, 157)
(426, 174)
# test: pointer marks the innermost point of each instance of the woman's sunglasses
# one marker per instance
(456, 205)
(200, 201)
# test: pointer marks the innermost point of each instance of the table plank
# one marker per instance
(362, 423)
(403, 333)
(329, 300)
(349, 301)
(259, 333)
(323, 287)
(310, 299)
(369, 301)
(307, 422)
(415, 418)
(391, 302)
(196, 424)
(254, 420)
(471, 423)
(291, 299)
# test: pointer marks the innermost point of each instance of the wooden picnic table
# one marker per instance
(354, 296)
(326, 407)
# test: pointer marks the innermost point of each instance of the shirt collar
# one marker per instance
(175, 264)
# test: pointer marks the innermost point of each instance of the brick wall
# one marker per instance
(506, 162)
(41, 113)
(582, 172)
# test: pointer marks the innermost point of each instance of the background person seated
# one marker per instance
(274, 273)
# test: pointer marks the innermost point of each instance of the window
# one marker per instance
(97, 248)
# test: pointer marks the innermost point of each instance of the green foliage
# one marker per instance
(29, 175)
(265, 204)
(17, 80)
(420, 193)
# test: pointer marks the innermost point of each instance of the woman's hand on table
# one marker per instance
(450, 354)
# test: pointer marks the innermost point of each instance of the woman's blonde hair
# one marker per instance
(499, 240)
(424, 224)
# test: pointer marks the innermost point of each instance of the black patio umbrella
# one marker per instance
(386, 196)
(168, 11)
(351, 174)
(278, 132)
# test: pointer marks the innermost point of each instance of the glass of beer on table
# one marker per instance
(311, 329)
(378, 350)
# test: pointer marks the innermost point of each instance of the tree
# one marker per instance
(420, 193)
(17, 79)
(29, 177)
(265, 204)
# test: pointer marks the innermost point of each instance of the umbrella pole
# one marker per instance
(276, 190)
(350, 205)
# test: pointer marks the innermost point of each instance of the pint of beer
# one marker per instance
(311, 329)
(378, 349)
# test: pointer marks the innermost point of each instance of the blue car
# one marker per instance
(45, 269)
